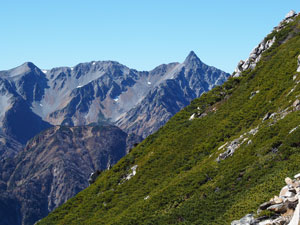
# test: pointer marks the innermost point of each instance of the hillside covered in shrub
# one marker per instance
(216, 160)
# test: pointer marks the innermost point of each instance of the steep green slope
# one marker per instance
(178, 178)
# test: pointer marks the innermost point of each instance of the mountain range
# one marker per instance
(98, 92)
(220, 158)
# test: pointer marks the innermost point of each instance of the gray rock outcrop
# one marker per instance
(298, 61)
(286, 207)
(94, 176)
(290, 14)
(254, 57)
(235, 144)
(256, 54)
(246, 220)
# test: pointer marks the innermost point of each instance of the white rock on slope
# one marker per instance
(133, 169)
(295, 219)
(297, 176)
(254, 57)
(246, 220)
(290, 14)
(235, 144)
(192, 117)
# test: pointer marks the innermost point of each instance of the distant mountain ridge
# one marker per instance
(100, 91)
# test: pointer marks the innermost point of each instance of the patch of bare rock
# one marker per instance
(285, 207)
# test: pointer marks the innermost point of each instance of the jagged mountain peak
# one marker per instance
(182, 83)
(29, 65)
(192, 59)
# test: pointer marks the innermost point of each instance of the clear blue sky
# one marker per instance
(139, 34)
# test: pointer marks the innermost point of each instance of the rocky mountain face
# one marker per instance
(9, 147)
(188, 81)
(32, 99)
(54, 166)
(19, 88)
(100, 91)
(217, 160)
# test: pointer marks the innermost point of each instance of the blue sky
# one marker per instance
(139, 34)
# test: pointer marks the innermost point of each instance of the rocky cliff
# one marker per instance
(186, 81)
(20, 87)
(9, 147)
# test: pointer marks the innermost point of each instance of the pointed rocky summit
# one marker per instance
(192, 58)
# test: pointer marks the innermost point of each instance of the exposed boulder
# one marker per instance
(230, 150)
(267, 116)
(266, 205)
(298, 69)
(235, 144)
(278, 208)
(296, 105)
(253, 93)
(288, 181)
(297, 176)
(133, 172)
(129, 175)
(246, 220)
(296, 220)
(94, 176)
(289, 18)
(286, 193)
(290, 14)
(192, 116)
(253, 131)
